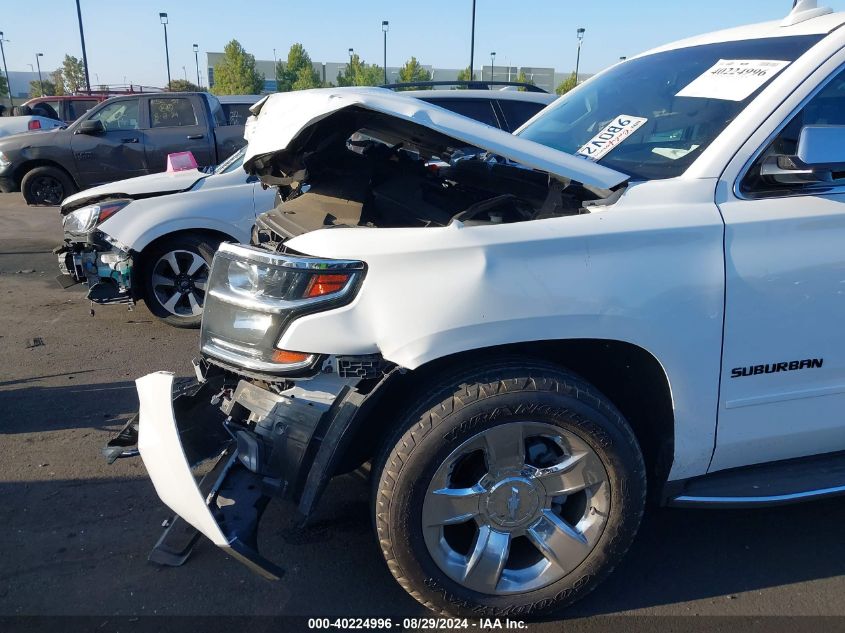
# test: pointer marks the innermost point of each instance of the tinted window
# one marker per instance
(676, 128)
(172, 112)
(49, 109)
(77, 107)
(827, 107)
(236, 113)
(120, 115)
(518, 112)
(478, 109)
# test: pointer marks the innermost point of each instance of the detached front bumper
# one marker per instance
(267, 444)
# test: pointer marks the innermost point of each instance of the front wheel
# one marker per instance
(175, 278)
(512, 490)
(46, 186)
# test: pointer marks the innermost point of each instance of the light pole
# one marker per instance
(351, 52)
(385, 25)
(580, 34)
(84, 54)
(185, 72)
(163, 18)
(6, 70)
(275, 70)
(197, 61)
(472, 44)
(492, 65)
(38, 63)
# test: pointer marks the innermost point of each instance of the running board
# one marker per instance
(775, 483)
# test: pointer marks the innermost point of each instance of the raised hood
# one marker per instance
(286, 124)
(148, 186)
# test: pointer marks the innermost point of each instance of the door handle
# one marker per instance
(129, 140)
(194, 137)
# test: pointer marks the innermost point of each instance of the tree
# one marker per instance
(298, 73)
(525, 79)
(464, 75)
(413, 71)
(182, 85)
(35, 88)
(567, 84)
(56, 78)
(236, 74)
(73, 75)
(359, 73)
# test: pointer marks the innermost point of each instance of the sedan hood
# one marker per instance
(141, 187)
(288, 125)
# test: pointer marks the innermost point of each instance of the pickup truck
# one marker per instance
(121, 138)
(638, 294)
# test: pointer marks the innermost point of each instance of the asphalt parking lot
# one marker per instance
(76, 532)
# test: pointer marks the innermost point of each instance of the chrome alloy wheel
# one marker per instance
(515, 508)
(179, 281)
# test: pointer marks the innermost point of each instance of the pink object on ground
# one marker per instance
(181, 161)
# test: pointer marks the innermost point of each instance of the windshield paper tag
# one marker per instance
(733, 79)
(617, 131)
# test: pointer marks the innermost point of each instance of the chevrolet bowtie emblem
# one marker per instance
(513, 503)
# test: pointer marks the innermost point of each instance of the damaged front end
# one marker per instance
(88, 255)
(276, 422)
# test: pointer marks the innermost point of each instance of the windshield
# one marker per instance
(232, 163)
(633, 119)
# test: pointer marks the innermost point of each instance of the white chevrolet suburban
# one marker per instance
(641, 293)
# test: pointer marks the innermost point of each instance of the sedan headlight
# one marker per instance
(253, 294)
(4, 161)
(84, 220)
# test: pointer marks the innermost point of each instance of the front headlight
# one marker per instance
(83, 220)
(4, 161)
(253, 294)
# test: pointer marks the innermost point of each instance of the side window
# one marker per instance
(478, 109)
(237, 113)
(172, 112)
(77, 107)
(120, 115)
(827, 107)
(518, 112)
(49, 109)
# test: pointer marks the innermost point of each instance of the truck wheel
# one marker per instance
(175, 275)
(46, 186)
(510, 490)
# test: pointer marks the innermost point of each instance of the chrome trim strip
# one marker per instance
(821, 190)
(737, 502)
(246, 362)
(785, 396)
(288, 261)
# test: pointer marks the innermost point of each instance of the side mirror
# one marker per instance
(820, 154)
(91, 127)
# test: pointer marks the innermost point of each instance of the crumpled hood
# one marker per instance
(285, 121)
(141, 187)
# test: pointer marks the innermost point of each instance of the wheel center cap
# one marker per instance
(512, 502)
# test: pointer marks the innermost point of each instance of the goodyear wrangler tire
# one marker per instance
(509, 490)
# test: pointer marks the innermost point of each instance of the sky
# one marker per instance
(124, 38)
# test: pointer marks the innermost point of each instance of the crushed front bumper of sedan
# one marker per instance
(103, 264)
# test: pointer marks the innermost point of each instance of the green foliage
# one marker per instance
(72, 75)
(35, 88)
(525, 79)
(4, 88)
(57, 79)
(298, 73)
(182, 85)
(358, 73)
(413, 71)
(236, 74)
(464, 75)
(567, 84)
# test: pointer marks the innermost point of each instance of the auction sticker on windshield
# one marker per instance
(733, 79)
(620, 128)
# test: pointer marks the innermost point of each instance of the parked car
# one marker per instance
(47, 113)
(121, 138)
(176, 221)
